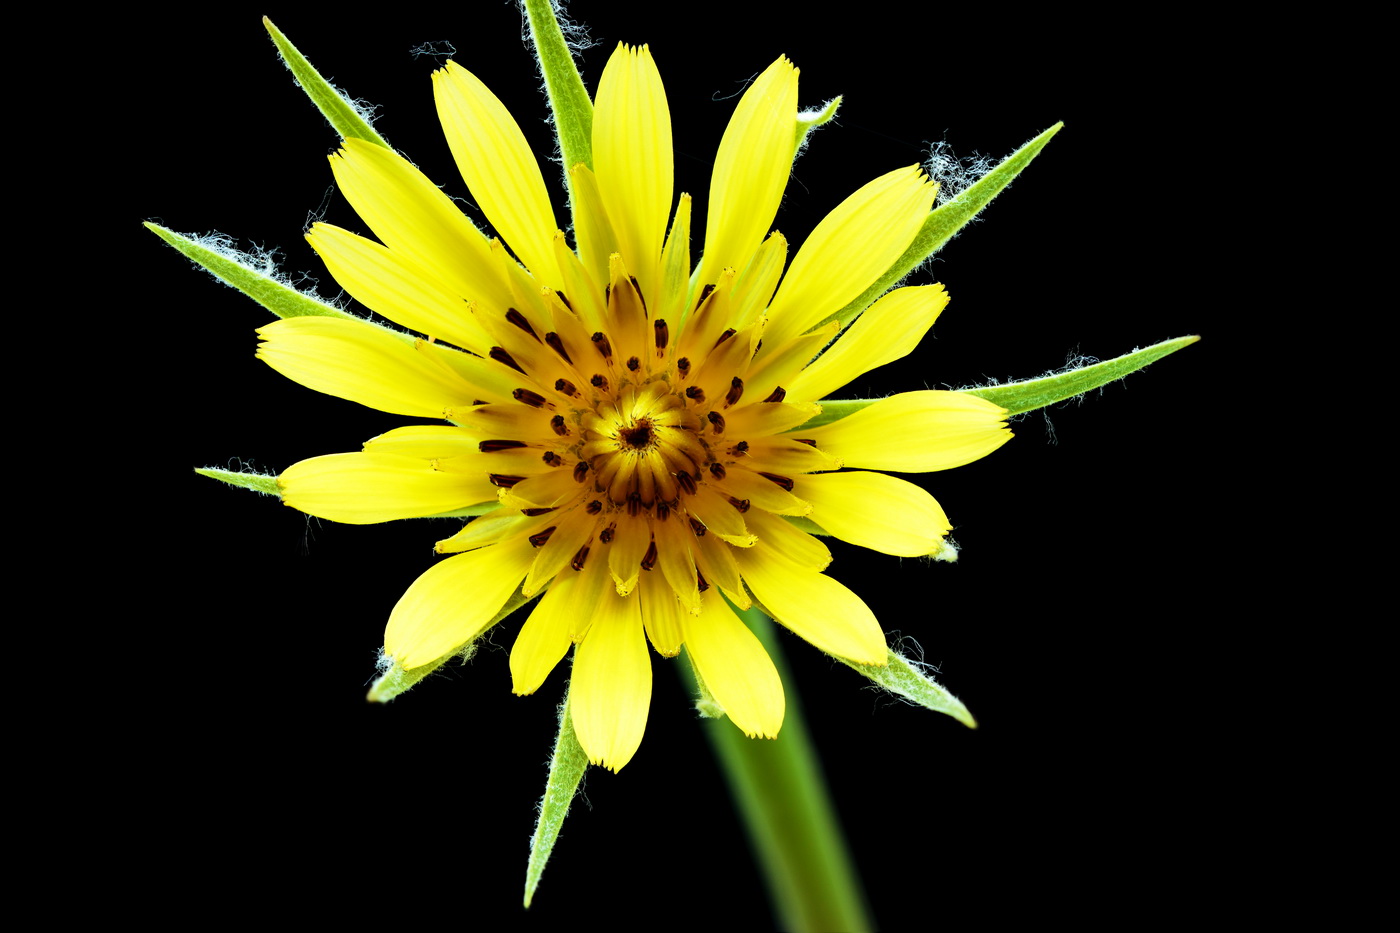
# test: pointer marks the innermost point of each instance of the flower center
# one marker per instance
(638, 436)
(638, 442)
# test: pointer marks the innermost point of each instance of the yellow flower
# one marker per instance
(641, 425)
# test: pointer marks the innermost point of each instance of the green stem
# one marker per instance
(782, 797)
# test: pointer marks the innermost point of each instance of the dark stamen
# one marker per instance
(600, 340)
(806, 440)
(533, 512)
(729, 332)
(638, 289)
(490, 447)
(533, 399)
(777, 395)
(633, 363)
(649, 559)
(501, 356)
(579, 558)
(564, 298)
(663, 511)
(717, 470)
(634, 503)
(736, 389)
(557, 425)
(741, 504)
(503, 480)
(663, 336)
(697, 526)
(557, 345)
(782, 481)
(717, 420)
(739, 449)
(594, 507)
(518, 319)
(701, 582)
(599, 381)
(696, 393)
(538, 540)
(607, 533)
(686, 482)
(683, 364)
(704, 293)
(552, 458)
(580, 471)
(565, 386)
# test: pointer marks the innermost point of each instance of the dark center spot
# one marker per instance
(638, 436)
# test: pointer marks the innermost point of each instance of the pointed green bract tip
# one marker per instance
(907, 679)
(344, 116)
(258, 482)
(566, 767)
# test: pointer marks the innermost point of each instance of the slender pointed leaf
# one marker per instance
(342, 114)
(904, 678)
(566, 767)
(1018, 397)
(264, 483)
(809, 120)
(568, 98)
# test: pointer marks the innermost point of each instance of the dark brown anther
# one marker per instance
(649, 559)
(491, 447)
(729, 332)
(564, 298)
(599, 381)
(533, 399)
(638, 289)
(736, 389)
(634, 504)
(565, 386)
(503, 480)
(741, 504)
(701, 583)
(538, 540)
(663, 511)
(633, 363)
(552, 458)
(739, 449)
(717, 420)
(683, 365)
(480, 401)
(580, 471)
(501, 356)
(697, 527)
(607, 533)
(518, 319)
(663, 336)
(806, 440)
(704, 293)
(557, 345)
(717, 470)
(777, 395)
(686, 482)
(607, 293)
(541, 511)
(695, 393)
(579, 558)
(600, 340)
(594, 507)
(557, 425)
(782, 481)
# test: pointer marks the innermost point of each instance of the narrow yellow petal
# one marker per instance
(363, 363)
(735, 667)
(543, 640)
(425, 441)
(499, 168)
(661, 614)
(915, 432)
(398, 288)
(814, 606)
(875, 511)
(451, 604)
(412, 217)
(610, 693)
(632, 160)
(852, 247)
(888, 330)
(751, 170)
(365, 488)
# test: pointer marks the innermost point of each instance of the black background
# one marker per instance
(1070, 626)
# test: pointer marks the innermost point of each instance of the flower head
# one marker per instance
(641, 439)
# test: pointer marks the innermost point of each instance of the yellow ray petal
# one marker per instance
(363, 363)
(452, 603)
(398, 288)
(661, 615)
(751, 170)
(499, 168)
(543, 640)
(364, 488)
(632, 160)
(736, 668)
(889, 329)
(813, 606)
(611, 689)
(915, 432)
(849, 249)
(875, 511)
(412, 217)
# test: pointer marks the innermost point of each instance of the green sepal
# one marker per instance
(396, 680)
(568, 98)
(1020, 397)
(344, 117)
(282, 300)
(705, 703)
(834, 409)
(808, 120)
(566, 767)
(264, 483)
(901, 677)
(943, 222)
